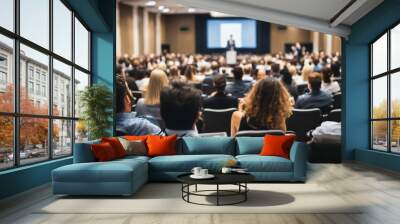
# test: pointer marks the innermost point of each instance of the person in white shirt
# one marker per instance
(247, 74)
(328, 85)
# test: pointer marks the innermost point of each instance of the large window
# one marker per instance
(44, 64)
(385, 93)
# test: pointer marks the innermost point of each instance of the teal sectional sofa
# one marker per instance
(125, 176)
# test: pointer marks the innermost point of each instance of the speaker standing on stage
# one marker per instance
(230, 44)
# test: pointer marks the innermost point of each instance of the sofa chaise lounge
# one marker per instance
(125, 176)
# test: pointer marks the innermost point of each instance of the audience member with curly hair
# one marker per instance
(266, 107)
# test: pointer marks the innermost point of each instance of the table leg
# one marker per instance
(217, 194)
(196, 187)
(245, 193)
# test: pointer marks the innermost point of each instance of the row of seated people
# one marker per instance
(179, 106)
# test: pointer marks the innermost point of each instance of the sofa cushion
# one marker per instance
(185, 163)
(257, 163)
(275, 145)
(208, 145)
(116, 145)
(136, 147)
(103, 152)
(249, 145)
(112, 171)
(161, 145)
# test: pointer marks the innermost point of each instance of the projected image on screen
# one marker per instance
(243, 32)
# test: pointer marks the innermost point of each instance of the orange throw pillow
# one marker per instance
(277, 145)
(161, 145)
(103, 152)
(116, 145)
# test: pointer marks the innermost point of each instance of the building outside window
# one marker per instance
(385, 95)
(57, 127)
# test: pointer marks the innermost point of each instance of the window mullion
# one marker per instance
(389, 104)
(73, 82)
(16, 85)
(50, 81)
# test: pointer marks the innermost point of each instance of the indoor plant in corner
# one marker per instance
(96, 104)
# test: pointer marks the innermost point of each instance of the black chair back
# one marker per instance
(259, 133)
(217, 120)
(120, 132)
(137, 94)
(335, 115)
(337, 100)
(303, 121)
(301, 89)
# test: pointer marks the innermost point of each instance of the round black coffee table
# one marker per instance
(238, 179)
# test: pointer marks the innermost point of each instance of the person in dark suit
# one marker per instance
(238, 88)
(220, 99)
(230, 44)
(207, 85)
(316, 98)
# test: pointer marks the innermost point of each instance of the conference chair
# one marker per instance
(197, 86)
(302, 121)
(137, 94)
(326, 109)
(337, 100)
(120, 132)
(259, 133)
(334, 115)
(217, 120)
(302, 88)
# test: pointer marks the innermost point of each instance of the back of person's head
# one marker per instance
(214, 65)
(173, 72)
(123, 94)
(268, 103)
(306, 72)
(326, 75)
(137, 73)
(180, 106)
(203, 69)
(237, 72)
(247, 69)
(220, 83)
(188, 72)
(315, 61)
(335, 68)
(261, 74)
(287, 78)
(158, 80)
(314, 81)
(292, 70)
(275, 68)
(119, 69)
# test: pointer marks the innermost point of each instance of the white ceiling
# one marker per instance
(175, 8)
(321, 9)
(315, 15)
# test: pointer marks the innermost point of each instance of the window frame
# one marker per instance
(388, 74)
(16, 114)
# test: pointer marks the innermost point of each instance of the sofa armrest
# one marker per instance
(298, 155)
(83, 152)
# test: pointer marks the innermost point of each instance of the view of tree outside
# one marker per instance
(385, 127)
(33, 131)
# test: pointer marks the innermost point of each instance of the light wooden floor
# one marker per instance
(379, 189)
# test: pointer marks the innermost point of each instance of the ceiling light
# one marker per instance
(191, 10)
(166, 10)
(151, 3)
(161, 7)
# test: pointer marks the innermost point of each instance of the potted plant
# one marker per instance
(96, 110)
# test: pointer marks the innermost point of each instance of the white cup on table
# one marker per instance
(203, 172)
(196, 171)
